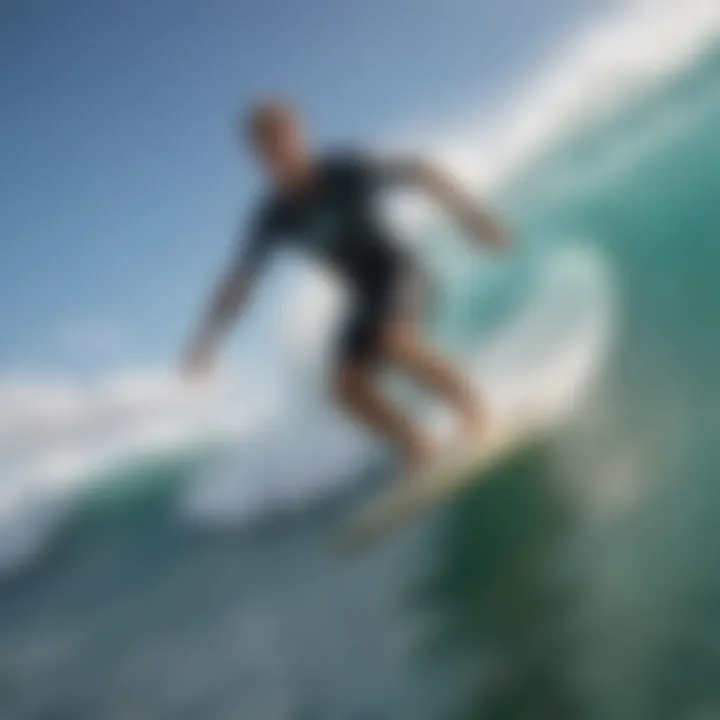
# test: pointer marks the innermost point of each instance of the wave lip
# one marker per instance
(615, 60)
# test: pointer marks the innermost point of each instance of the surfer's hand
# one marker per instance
(479, 223)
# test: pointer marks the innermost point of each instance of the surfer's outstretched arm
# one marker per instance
(228, 299)
(230, 295)
(477, 221)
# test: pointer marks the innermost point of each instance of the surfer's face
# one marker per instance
(279, 140)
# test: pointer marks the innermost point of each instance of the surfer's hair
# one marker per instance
(264, 115)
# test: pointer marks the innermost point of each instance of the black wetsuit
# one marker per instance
(336, 221)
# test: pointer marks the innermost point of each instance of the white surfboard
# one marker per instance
(458, 467)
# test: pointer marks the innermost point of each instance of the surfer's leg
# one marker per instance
(357, 392)
(359, 355)
(404, 346)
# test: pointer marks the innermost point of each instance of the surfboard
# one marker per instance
(457, 467)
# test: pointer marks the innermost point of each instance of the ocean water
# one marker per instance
(580, 580)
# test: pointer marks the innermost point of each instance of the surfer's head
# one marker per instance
(277, 136)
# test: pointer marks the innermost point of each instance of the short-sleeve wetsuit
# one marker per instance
(336, 221)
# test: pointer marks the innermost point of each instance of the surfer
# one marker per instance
(324, 204)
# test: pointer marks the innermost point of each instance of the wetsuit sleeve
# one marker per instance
(384, 172)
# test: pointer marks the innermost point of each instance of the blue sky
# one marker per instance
(120, 183)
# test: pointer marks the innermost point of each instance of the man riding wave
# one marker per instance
(325, 205)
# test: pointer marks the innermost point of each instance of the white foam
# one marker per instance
(56, 436)
(545, 361)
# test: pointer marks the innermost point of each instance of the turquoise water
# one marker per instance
(581, 581)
